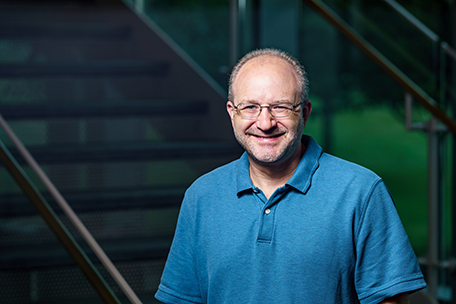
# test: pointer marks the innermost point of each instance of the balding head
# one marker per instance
(265, 55)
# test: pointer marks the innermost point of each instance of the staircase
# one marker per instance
(122, 122)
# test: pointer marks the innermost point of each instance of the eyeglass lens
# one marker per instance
(251, 110)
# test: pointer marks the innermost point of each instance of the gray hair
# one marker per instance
(298, 68)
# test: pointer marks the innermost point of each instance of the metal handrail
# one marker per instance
(404, 81)
(448, 49)
(439, 48)
(70, 244)
(422, 27)
(413, 20)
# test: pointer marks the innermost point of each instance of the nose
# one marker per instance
(265, 121)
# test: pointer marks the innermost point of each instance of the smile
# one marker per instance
(270, 137)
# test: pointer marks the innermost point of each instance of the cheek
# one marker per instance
(240, 124)
(292, 124)
(236, 125)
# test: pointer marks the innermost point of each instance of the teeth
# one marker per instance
(259, 136)
(268, 136)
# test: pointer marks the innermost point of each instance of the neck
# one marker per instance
(269, 177)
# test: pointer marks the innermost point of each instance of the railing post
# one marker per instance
(433, 262)
(433, 209)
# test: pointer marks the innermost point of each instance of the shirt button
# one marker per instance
(267, 211)
(256, 191)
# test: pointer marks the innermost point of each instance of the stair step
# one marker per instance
(109, 68)
(65, 31)
(135, 108)
(88, 201)
(37, 256)
(55, 154)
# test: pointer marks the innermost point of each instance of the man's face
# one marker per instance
(266, 80)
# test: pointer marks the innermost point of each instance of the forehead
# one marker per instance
(266, 73)
(266, 62)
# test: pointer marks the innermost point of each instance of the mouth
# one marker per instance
(266, 137)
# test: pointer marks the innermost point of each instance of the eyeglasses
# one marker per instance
(277, 110)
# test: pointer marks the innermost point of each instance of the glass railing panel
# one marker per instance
(401, 42)
(200, 28)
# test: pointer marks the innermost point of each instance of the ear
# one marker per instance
(306, 109)
(230, 109)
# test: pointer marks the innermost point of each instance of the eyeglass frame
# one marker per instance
(269, 109)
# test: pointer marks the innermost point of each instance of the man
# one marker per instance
(286, 223)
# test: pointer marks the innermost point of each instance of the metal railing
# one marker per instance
(422, 28)
(440, 48)
(84, 263)
(433, 262)
(405, 82)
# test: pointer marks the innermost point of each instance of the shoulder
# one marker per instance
(330, 168)
(344, 182)
(345, 170)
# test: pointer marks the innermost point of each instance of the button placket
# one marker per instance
(267, 218)
(267, 224)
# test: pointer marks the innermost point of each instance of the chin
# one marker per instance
(267, 159)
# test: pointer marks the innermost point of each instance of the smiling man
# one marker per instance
(272, 141)
(286, 223)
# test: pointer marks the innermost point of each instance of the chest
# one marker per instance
(293, 229)
(295, 250)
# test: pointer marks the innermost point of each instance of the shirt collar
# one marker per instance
(302, 176)
(243, 181)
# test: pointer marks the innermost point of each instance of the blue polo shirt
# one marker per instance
(330, 235)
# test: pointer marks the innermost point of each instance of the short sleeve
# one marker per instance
(386, 264)
(179, 282)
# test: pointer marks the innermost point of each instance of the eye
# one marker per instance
(249, 107)
(281, 107)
